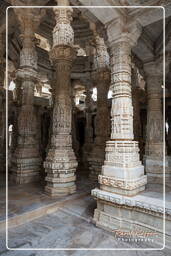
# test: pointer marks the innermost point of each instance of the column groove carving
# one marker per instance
(26, 158)
(61, 163)
(101, 79)
(154, 150)
(122, 163)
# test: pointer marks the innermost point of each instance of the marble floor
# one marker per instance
(68, 225)
(71, 226)
(28, 201)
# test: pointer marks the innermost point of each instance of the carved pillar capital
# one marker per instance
(63, 33)
(29, 20)
(62, 53)
(101, 56)
(123, 30)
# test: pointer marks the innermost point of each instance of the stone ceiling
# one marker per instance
(150, 19)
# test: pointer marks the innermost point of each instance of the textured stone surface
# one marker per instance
(154, 151)
(144, 211)
(26, 158)
(101, 79)
(61, 163)
(122, 153)
(69, 227)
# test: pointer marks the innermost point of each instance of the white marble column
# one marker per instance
(154, 148)
(122, 171)
(101, 78)
(61, 163)
(26, 159)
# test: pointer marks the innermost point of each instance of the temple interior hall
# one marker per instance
(85, 127)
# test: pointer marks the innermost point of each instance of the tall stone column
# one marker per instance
(88, 145)
(75, 143)
(26, 159)
(61, 163)
(122, 172)
(154, 131)
(136, 94)
(88, 109)
(101, 77)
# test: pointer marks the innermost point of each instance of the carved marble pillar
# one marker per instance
(101, 77)
(102, 122)
(136, 93)
(75, 143)
(26, 158)
(2, 106)
(61, 163)
(88, 127)
(154, 131)
(122, 172)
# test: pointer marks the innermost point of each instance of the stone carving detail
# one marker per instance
(101, 78)
(101, 56)
(61, 163)
(63, 33)
(26, 158)
(122, 110)
(125, 202)
(122, 153)
(109, 181)
(154, 151)
(154, 134)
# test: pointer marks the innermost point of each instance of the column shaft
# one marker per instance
(26, 158)
(102, 123)
(101, 78)
(61, 163)
(154, 150)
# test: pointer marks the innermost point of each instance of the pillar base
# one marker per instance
(60, 191)
(122, 171)
(155, 171)
(25, 171)
(129, 187)
(24, 177)
(142, 213)
(60, 166)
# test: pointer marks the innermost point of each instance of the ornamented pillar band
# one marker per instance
(26, 158)
(61, 163)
